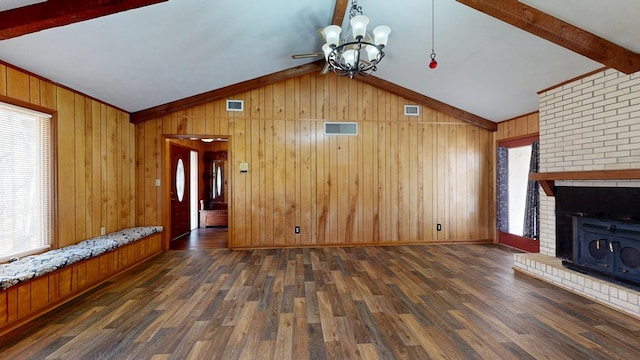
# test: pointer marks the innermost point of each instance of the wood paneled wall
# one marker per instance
(390, 184)
(95, 157)
(518, 127)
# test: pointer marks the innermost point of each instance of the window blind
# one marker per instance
(26, 192)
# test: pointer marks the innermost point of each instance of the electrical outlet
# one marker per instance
(103, 230)
(439, 227)
(297, 229)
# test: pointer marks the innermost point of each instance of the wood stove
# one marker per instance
(606, 247)
(598, 231)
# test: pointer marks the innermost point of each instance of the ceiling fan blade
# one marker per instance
(304, 56)
(311, 55)
(325, 69)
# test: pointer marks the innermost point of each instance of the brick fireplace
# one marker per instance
(589, 126)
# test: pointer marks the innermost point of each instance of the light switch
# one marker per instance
(244, 167)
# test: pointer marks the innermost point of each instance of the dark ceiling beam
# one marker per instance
(53, 13)
(559, 32)
(225, 92)
(429, 102)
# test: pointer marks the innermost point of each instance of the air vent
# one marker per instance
(341, 128)
(235, 105)
(411, 110)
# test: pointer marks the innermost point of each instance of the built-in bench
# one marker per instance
(36, 284)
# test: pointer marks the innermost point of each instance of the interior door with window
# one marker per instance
(180, 189)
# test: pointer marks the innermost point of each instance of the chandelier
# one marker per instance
(346, 57)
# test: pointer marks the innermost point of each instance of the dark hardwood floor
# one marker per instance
(401, 302)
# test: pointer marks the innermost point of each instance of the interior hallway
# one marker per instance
(202, 239)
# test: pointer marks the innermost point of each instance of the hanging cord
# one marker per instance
(433, 63)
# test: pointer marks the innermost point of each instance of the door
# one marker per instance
(180, 207)
(518, 202)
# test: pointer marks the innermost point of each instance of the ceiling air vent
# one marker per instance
(341, 128)
(235, 105)
(411, 110)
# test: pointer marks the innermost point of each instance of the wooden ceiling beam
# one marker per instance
(339, 12)
(559, 32)
(53, 13)
(429, 102)
(225, 92)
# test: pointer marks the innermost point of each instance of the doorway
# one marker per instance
(188, 178)
(518, 203)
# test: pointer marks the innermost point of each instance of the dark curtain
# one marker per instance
(532, 204)
(503, 190)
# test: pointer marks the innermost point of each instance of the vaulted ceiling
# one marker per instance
(152, 56)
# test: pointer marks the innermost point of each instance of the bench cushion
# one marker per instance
(33, 266)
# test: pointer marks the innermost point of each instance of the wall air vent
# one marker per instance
(412, 110)
(341, 128)
(235, 105)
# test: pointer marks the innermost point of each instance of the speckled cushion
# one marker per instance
(36, 265)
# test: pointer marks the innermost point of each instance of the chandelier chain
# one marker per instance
(355, 9)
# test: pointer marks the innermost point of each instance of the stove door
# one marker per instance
(627, 259)
(595, 251)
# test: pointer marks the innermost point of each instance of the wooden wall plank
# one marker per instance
(3, 80)
(80, 188)
(520, 126)
(66, 169)
(34, 90)
(17, 84)
(392, 183)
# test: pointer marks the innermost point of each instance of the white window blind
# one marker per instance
(26, 192)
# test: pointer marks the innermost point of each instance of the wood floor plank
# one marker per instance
(413, 302)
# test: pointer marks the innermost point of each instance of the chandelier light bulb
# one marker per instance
(349, 57)
(359, 25)
(381, 34)
(326, 49)
(372, 52)
(332, 34)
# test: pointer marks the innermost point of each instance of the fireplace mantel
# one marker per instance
(547, 180)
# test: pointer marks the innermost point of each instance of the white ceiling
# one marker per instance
(165, 52)
(12, 4)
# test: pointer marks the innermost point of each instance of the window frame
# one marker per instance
(53, 200)
(505, 238)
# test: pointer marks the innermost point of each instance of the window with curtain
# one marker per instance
(518, 199)
(26, 193)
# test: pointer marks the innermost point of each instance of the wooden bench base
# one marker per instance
(30, 299)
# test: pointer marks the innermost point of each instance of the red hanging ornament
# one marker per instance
(433, 63)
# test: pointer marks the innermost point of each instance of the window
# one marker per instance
(26, 191)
